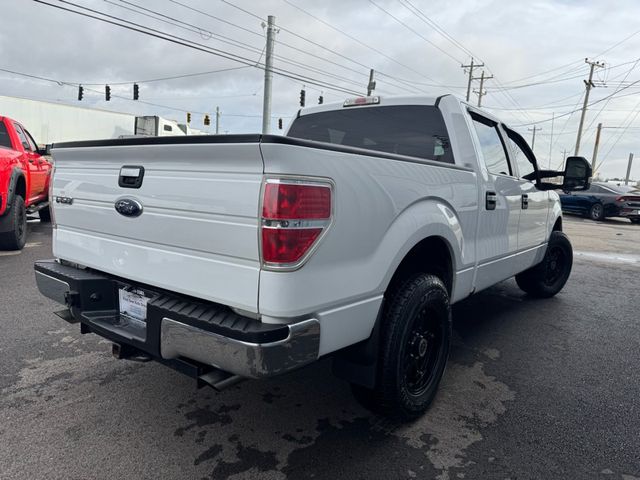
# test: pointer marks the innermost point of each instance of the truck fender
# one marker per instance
(555, 215)
(16, 176)
(422, 220)
(419, 221)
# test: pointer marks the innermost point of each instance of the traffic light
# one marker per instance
(207, 121)
(303, 94)
(80, 92)
(107, 93)
(320, 100)
(188, 117)
(279, 124)
(136, 91)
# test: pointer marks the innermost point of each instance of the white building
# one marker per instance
(50, 122)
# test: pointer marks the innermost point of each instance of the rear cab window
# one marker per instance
(408, 130)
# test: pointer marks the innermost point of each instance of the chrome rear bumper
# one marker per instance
(253, 360)
(179, 328)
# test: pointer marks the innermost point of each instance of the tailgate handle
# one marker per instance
(131, 176)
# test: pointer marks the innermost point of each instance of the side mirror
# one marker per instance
(44, 150)
(577, 174)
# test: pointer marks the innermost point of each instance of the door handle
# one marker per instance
(491, 200)
(525, 201)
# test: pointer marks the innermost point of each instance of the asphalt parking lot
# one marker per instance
(534, 389)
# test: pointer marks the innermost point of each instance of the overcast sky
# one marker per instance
(522, 43)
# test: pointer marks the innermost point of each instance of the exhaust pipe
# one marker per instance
(219, 379)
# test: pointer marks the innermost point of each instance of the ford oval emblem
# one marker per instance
(128, 207)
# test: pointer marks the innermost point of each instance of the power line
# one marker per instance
(406, 86)
(589, 105)
(342, 32)
(200, 47)
(304, 38)
(607, 102)
(425, 19)
(197, 29)
(417, 33)
(100, 92)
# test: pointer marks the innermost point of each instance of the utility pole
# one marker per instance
(371, 86)
(626, 179)
(553, 117)
(595, 149)
(471, 66)
(533, 140)
(482, 92)
(217, 120)
(268, 73)
(588, 86)
(564, 157)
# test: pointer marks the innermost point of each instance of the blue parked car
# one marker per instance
(603, 200)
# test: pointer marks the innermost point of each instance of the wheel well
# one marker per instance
(21, 187)
(557, 227)
(358, 364)
(431, 255)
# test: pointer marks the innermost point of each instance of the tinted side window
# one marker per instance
(32, 142)
(492, 148)
(5, 141)
(412, 130)
(22, 137)
(525, 167)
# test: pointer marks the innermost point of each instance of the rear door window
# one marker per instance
(22, 136)
(493, 151)
(410, 130)
(5, 140)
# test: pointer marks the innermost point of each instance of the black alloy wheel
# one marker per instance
(422, 351)
(413, 351)
(549, 276)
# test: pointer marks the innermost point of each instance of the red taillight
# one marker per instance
(294, 215)
(287, 245)
(296, 201)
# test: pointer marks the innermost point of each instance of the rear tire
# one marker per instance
(596, 212)
(14, 226)
(635, 220)
(415, 339)
(45, 215)
(549, 276)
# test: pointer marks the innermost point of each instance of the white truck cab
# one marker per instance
(235, 256)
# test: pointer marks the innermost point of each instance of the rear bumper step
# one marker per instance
(178, 327)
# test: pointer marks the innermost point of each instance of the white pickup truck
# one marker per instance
(238, 256)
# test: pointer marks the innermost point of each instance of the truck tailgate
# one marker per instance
(198, 230)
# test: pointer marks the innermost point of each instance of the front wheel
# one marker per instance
(416, 333)
(635, 220)
(549, 276)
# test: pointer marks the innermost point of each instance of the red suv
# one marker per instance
(24, 183)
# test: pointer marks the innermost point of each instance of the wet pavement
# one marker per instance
(534, 389)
